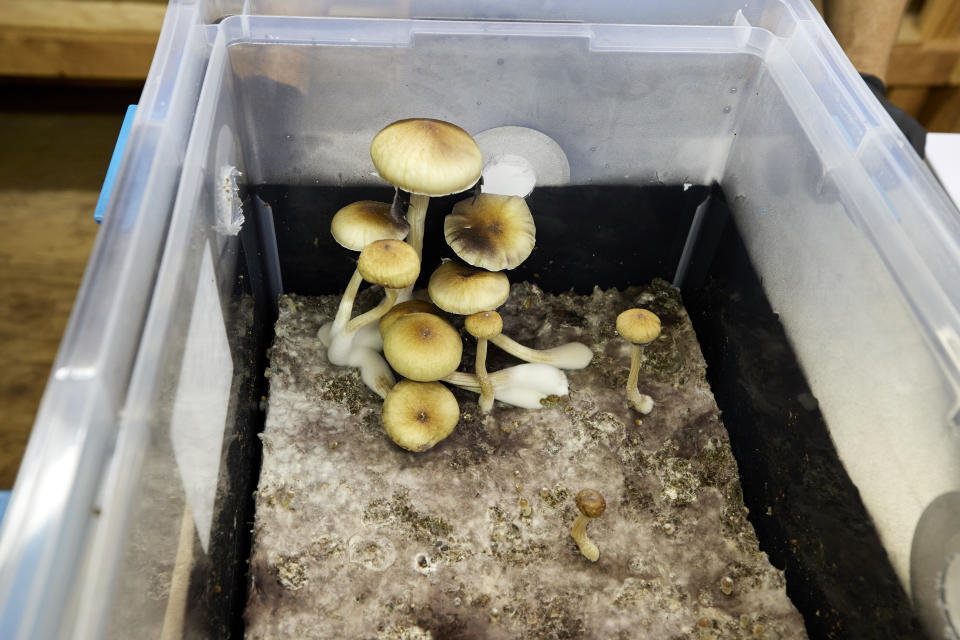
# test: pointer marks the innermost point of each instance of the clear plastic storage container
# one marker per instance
(131, 513)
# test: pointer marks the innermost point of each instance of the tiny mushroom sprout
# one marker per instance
(490, 231)
(427, 158)
(392, 264)
(639, 327)
(591, 505)
(418, 415)
(354, 227)
(422, 347)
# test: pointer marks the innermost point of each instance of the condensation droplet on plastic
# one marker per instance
(726, 109)
(733, 89)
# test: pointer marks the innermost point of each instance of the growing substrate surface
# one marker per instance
(355, 537)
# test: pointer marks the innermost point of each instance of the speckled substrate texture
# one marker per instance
(356, 538)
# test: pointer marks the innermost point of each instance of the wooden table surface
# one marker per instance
(56, 147)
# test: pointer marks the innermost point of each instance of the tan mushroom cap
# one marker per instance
(426, 157)
(491, 231)
(457, 288)
(410, 306)
(591, 503)
(639, 326)
(358, 224)
(393, 264)
(423, 347)
(418, 415)
(484, 325)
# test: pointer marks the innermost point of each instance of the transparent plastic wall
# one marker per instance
(143, 448)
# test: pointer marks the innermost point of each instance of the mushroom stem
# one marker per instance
(523, 385)
(416, 218)
(389, 297)
(374, 371)
(346, 304)
(579, 535)
(639, 401)
(486, 387)
(572, 355)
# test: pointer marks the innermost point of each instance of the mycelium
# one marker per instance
(427, 158)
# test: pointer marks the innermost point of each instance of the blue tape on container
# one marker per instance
(107, 189)
(4, 501)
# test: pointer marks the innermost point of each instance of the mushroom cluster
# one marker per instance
(490, 233)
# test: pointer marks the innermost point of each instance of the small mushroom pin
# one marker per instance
(640, 327)
(591, 505)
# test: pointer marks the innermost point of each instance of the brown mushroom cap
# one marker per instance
(591, 503)
(491, 231)
(418, 415)
(358, 224)
(423, 347)
(426, 157)
(393, 264)
(639, 326)
(410, 306)
(484, 325)
(463, 290)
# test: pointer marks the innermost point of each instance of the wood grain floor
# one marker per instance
(55, 152)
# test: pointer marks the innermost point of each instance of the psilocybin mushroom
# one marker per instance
(392, 264)
(403, 308)
(591, 505)
(490, 231)
(418, 415)
(483, 326)
(422, 347)
(354, 227)
(640, 327)
(427, 158)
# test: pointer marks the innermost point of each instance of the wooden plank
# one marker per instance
(927, 64)
(40, 271)
(910, 99)
(72, 39)
(939, 19)
(942, 111)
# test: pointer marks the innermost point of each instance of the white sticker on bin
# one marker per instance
(202, 400)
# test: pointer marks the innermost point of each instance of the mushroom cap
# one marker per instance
(490, 231)
(397, 311)
(484, 324)
(358, 224)
(423, 347)
(426, 157)
(639, 326)
(393, 264)
(457, 288)
(418, 415)
(591, 503)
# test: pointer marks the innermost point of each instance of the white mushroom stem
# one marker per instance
(362, 320)
(523, 385)
(374, 370)
(346, 304)
(639, 401)
(579, 535)
(416, 218)
(572, 355)
(342, 343)
(486, 387)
